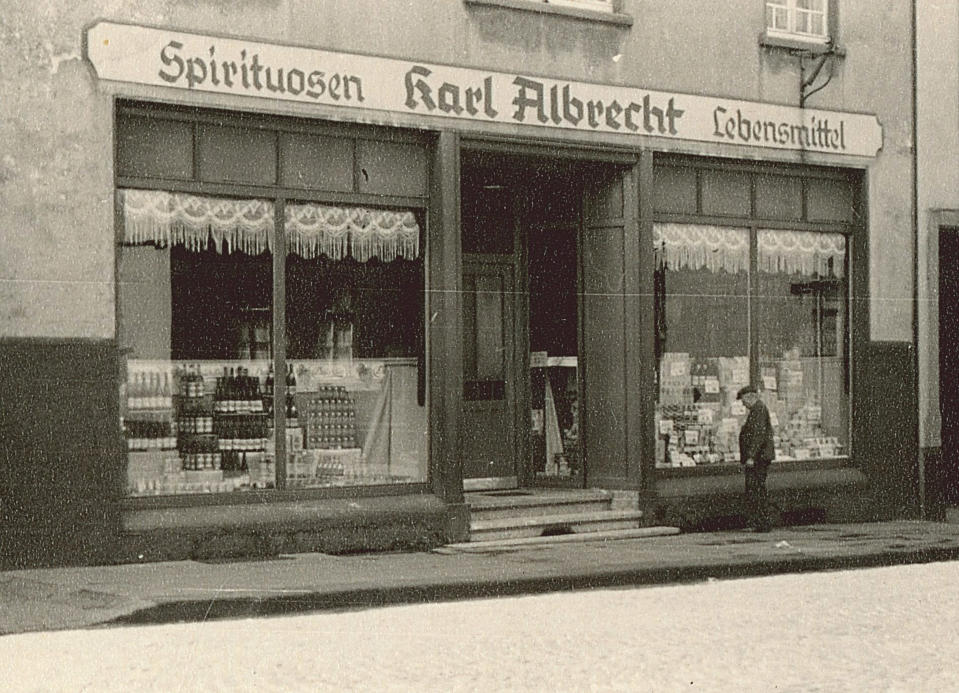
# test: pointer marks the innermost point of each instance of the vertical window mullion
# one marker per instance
(751, 306)
(279, 340)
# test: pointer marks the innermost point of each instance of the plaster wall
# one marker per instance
(56, 202)
(937, 48)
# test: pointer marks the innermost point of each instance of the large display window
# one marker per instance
(195, 292)
(736, 306)
(270, 303)
(354, 289)
(195, 284)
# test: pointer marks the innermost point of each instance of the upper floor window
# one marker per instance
(799, 19)
(603, 11)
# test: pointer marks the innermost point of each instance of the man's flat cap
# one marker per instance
(745, 391)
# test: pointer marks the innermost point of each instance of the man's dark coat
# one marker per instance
(756, 436)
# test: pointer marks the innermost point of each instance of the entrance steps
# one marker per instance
(501, 515)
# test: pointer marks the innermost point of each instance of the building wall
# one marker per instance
(56, 175)
(937, 53)
(57, 270)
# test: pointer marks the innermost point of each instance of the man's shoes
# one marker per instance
(762, 529)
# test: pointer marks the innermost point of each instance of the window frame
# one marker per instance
(804, 219)
(279, 193)
(600, 11)
(792, 39)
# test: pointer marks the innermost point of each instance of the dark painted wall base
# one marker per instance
(796, 498)
(61, 450)
(939, 488)
(335, 526)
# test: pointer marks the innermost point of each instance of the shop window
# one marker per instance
(707, 304)
(801, 320)
(804, 20)
(194, 296)
(702, 311)
(354, 322)
(196, 312)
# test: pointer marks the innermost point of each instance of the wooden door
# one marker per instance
(488, 436)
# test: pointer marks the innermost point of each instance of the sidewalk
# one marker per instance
(61, 598)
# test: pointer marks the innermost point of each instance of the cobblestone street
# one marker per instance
(878, 629)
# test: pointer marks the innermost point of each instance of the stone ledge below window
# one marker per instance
(798, 44)
(618, 18)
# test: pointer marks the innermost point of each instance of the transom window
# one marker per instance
(803, 19)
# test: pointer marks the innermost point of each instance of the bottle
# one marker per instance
(268, 390)
(291, 381)
(230, 402)
(292, 415)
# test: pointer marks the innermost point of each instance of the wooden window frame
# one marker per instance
(279, 194)
(857, 320)
(791, 39)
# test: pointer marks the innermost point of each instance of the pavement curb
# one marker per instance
(227, 607)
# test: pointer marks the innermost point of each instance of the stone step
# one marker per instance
(555, 524)
(495, 505)
(521, 542)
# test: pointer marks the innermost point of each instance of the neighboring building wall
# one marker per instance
(937, 46)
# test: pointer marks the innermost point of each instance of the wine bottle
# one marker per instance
(291, 381)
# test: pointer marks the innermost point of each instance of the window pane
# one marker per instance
(816, 26)
(803, 323)
(354, 320)
(702, 308)
(195, 316)
(777, 15)
(816, 5)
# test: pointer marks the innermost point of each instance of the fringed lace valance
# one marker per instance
(801, 252)
(336, 232)
(694, 246)
(227, 225)
(164, 218)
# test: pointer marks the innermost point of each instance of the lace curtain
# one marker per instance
(164, 218)
(695, 246)
(802, 252)
(198, 222)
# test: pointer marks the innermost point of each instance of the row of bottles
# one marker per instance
(238, 392)
(245, 433)
(151, 434)
(235, 391)
(149, 391)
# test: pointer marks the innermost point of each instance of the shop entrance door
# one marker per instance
(488, 427)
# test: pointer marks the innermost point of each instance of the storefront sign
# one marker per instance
(145, 55)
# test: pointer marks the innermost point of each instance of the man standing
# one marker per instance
(756, 451)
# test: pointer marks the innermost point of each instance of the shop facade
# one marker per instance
(314, 295)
